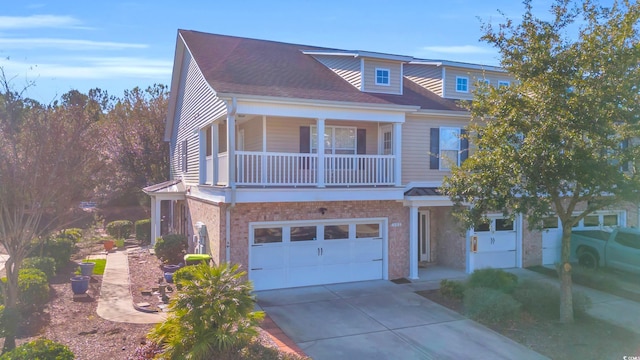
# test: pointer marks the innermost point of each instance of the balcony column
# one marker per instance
(202, 156)
(215, 130)
(413, 242)
(397, 153)
(155, 219)
(320, 141)
(231, 148)
(263, 161)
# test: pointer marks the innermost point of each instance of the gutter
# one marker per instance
(231, 111)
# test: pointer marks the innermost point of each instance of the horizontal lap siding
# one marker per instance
(197, 106)
(252, 134)
(427, 76)
(474, 76)
(416, 144)
(346, 67)
(395, 74)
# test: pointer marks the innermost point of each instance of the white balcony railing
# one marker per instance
(292, 169)
(223, 169)
(209, 171)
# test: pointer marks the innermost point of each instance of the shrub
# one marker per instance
(143, 231)
(490, 305)
(9, 320)
(185, 273)
(73, 234)
(120, 229)
(39, 349)
(496, 279)
(45, 264)
(33, 289)
(171, 248)
(210, 315)
(542, 300)
(452, 289)
(60, 249)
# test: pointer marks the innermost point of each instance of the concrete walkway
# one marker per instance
(116, 302)
(381, 320)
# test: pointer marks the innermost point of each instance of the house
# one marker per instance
(310, 165)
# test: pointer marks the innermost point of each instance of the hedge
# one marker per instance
(120, 229)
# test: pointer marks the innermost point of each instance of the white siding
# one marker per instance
(427, 76)
(395, 76)
(473, 75)
(196, 106)
(347, 67)
(416, 147)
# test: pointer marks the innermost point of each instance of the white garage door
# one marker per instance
(552, 232)
(311, 253)
(496, 246)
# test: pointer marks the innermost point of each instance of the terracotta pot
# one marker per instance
(109, 244)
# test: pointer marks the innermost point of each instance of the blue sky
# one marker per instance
(116, 45)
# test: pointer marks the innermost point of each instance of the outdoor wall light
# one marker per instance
(322, 210)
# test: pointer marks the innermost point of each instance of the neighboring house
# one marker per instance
(310, 165)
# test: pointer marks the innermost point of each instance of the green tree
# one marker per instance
(557, 140)
(49, 161)
(134, 133)
(211, 313)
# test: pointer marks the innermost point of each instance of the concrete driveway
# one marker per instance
(381, 320)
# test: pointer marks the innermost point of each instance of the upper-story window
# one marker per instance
(449, 147)
(503, 83)
(486, 81)
(462, 84)
(382, 76)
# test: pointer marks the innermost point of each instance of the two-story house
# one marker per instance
(310, 165)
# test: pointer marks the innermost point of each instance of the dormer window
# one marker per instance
(462, 84)
(382, 77)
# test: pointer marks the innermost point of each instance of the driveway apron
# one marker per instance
(381, 320)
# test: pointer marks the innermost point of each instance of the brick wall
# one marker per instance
(449, 238)
(213, 217)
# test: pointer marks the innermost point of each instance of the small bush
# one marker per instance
(33, 289)
(143, 231)
(452, 289)
(542, 300)
(496, 279)
(185, 273)
(45, 264)
(39, 349)
(60, 249)
(171, 248)
(9, 320)
(120, 229)
(73, 234)
(490, 305)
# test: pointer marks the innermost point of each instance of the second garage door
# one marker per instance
(311, 253)
(496, 245)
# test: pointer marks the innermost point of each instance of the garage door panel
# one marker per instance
(304, 254)
(369, 270)
(305, 276)
(367, 250)
(497, 260)
(268, 278)
(336, 252)
(272, 256)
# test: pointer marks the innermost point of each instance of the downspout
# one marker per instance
(231, 111)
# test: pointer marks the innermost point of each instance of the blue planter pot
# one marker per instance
(168, 276)
(170, 268)
(80, 284)
(86, 268)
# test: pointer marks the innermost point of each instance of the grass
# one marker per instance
(100, 264)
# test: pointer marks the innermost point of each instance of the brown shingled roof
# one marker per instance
(266, 68)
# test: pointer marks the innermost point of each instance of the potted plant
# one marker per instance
(86, 268)
(79, 284)
(108, 245)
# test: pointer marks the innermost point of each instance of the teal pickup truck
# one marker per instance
(619, 249)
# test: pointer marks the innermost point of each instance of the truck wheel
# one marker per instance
(588, 260)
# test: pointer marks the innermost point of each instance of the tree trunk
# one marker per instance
(564, 270)
(10, 305)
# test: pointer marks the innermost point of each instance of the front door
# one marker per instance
(424, 242)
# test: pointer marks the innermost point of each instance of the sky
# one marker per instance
(117, 45)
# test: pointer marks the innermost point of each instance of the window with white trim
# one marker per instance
(382, 76)
(337, 140)
(503, 83)
(449, 147)
(486, 81)
(462, 84)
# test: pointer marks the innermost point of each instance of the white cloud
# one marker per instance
(38, 21)
(66, 44)
(93, 68)
(461, 49)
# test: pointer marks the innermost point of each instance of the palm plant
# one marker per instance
(211, 314)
